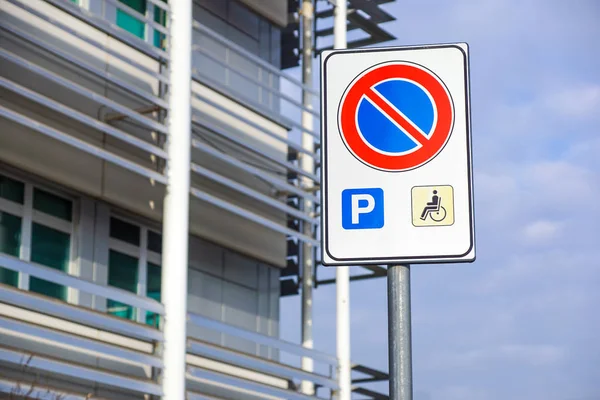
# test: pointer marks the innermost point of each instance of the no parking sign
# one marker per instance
(396, 156)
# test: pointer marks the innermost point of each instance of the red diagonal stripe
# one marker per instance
(396, 117)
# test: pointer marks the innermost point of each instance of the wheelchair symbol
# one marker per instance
(434, 209)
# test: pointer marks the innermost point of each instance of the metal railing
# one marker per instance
(279, 100)
(285, 109)
(55, 336)
(286, 91)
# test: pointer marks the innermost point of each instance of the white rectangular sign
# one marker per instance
(396, 156)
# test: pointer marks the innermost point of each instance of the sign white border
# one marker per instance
(326, 257)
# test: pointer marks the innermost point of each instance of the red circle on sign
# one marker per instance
(429, 147)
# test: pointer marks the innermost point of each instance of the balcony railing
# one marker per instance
(90, 63)
(131, 346)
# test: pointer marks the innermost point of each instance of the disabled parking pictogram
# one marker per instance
(432, 205)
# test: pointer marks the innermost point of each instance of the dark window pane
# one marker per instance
(10, 242)
(153, 291)
(124, 231)
(51, 248)
(122, 273)
(155, 242)
(53, 205)
(243, 19)
(11, 189)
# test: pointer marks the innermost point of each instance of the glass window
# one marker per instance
(154, 279)
(125, 231)
(49, 247)
(130, 23)
(125, 267)
(154, 242)
(160, 16)
(136, 26)
(122, 273)
(12, 190)
(10, 243)
(52, 205)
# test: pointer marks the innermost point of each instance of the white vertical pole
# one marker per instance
(176, 206)
(307, 164)
(342, 277)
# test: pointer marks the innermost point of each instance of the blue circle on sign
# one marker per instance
(382, 133)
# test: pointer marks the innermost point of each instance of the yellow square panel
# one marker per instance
(432, 205)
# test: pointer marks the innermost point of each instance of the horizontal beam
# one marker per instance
(257, 364)
(99, 45)
(276, 92)
(83, 91)
(252, 148)
(276, 117)
(84, 345)
(109, 28)
(62, 278)
(98, 72)
(259, 219)
(352, 278)
(277, 182)
(271, 134)
(36, 391)
(246, 54)
(26, 359)
(81, 145)
(258, 338)
(203, 374)
(375, 375)
(373, 395)
(252, 193)
(82, 118)
(85, 316)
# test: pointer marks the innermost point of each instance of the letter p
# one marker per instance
(362, 208)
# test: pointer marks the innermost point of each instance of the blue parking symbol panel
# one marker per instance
(362, 208)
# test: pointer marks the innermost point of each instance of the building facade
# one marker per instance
(83, 125)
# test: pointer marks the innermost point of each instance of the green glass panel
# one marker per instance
(125, 231)
(51, 248)
(130, 23)
(10, 242)
(153, 291)
(11, 189)
(122, 273)
(53, 205)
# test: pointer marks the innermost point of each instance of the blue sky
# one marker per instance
(522, 322)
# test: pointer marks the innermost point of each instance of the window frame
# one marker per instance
(29, 216)
(140, 252)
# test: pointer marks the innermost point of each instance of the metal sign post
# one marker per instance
(397, 182)
(399, 332)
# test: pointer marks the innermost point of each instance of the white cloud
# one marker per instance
(582, 101)
(538, 355)
(521, 322)
(541, 231)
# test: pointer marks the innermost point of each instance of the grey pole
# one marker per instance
(399, 332)
(307, 163)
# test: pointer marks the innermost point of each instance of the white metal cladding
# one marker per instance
(103, 94)
(71, 83)
(44, 328)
